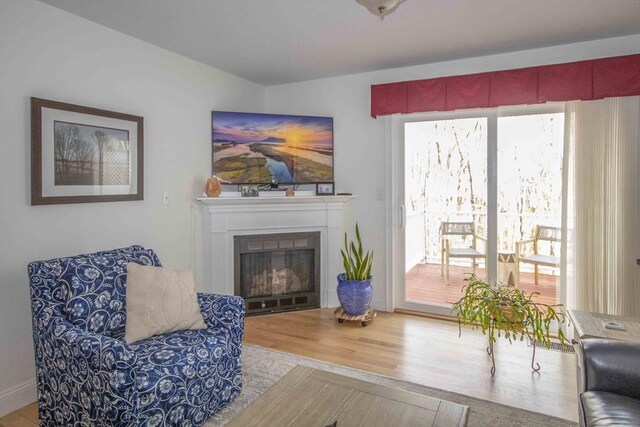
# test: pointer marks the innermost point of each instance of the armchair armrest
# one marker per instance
(482, 239)
(224, 311)
(521, 243)
(526, 241)
(99, 369)
(611, 365)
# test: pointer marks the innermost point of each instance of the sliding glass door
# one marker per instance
(445, 205)
(529, 197)
(480, 193)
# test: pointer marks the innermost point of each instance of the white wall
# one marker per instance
(360, 140)
(48, 53)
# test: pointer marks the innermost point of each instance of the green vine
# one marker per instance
(499, 308)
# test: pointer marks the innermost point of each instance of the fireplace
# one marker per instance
(277, 272)
(231, 215)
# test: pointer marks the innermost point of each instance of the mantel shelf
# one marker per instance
(283, 200)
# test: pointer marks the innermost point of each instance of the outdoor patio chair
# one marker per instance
(542, 233)
(448, 230)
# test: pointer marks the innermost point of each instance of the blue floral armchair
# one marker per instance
(88, 375)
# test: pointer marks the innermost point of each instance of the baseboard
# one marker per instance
(17, 397)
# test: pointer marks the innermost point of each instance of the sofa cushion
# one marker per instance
(160, 300)
(602, 408)
(94, 285)
(185, 375)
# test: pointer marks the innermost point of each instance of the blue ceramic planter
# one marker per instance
(354, 295)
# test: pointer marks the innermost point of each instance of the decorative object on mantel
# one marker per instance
(213, 188)
(83, 155)
(498, 308)
(325, 189)
(381, 8)
(248, 190)
(354, 285)
(290, 192)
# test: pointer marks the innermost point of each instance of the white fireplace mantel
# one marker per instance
(226, 217)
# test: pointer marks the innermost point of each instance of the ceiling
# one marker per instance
(280, 41)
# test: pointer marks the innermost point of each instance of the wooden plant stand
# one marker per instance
(368, 315)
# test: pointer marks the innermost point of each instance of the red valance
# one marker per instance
(584, 80)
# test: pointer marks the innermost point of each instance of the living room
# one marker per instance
(176, 62)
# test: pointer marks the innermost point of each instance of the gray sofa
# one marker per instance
(609, 383)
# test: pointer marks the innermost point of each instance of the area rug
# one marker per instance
(262, 368)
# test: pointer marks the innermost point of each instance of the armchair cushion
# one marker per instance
(185, 375)
(602, 409)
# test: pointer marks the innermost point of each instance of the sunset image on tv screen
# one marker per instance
(253, 148)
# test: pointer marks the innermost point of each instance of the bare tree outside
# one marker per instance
(85, 155)
(91, 155)
(66, 143)
(446, 177)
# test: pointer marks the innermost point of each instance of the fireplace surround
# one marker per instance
(230, 216)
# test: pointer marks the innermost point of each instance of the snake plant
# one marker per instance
(357, 264)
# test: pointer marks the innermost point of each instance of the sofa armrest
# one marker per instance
(224, 311)
(611, 365)
(96, 368)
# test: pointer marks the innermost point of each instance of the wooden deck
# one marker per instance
(425, 284)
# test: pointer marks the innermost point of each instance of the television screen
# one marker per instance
(251, 148)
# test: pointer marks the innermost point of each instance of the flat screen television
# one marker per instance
(252, 148)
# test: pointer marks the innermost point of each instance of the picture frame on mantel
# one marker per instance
(325, 189)
(84, 155)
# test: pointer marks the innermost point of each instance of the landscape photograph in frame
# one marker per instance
(252, 148)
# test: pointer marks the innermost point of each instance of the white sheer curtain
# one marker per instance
(603, 214)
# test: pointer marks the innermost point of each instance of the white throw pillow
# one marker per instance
(160, 300)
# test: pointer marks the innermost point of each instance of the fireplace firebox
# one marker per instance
(277, 272)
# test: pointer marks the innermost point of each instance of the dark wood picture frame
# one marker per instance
(37, 196)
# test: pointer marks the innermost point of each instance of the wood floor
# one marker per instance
(417, 349)
(425, 284)
(429, 352)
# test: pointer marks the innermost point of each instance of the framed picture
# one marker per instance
(324, 189)
(83, 155)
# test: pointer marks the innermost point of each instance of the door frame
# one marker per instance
(395, 203)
